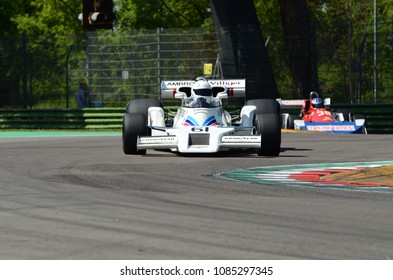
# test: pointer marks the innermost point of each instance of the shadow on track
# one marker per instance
(232, 153)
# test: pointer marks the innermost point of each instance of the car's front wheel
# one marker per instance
(134, 125)
(269, 126)
(291, 121)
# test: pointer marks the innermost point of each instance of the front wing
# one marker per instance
(202, 139)
(356, 127)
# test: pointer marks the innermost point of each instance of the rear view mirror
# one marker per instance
(222, 95)
(180, 95)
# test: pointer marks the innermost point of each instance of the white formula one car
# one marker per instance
(201, 125)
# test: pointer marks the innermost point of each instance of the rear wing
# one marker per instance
(298, 103)
(234, 88)
(292, 103)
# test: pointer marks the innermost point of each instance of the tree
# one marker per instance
(7, 10)
(137, 14)
(56, 17)
(346, 48)
(50, 29)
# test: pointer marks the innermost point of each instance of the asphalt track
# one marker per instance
(73, 197)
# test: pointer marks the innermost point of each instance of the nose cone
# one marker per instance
(201, 117)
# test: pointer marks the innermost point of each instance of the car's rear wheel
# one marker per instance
(134, 125)
(268, 125)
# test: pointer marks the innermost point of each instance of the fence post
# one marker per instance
(67, 76)
(159, 62)
(24, 70)
(375, 52)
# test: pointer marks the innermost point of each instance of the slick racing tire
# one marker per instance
(142, 105)
(269, 126)
(134, 125)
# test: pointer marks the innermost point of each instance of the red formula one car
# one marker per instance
(316, 115)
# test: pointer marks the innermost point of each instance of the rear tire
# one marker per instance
(269, 126)
(134, 125)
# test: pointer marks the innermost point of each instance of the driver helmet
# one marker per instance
(317, 102)
(201, 88)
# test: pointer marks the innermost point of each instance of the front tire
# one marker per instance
(291, 121)
(346, 114)
(268, 121)
(265, 106)
(134, 125)
(142, 105)
(269, 126)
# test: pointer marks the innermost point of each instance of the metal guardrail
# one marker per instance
(379, 118)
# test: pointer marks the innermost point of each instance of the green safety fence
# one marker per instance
(89, 118)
